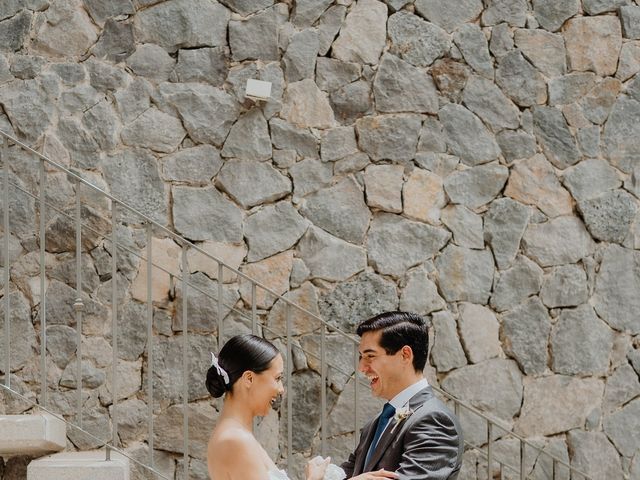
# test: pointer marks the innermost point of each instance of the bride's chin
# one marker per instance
(265, 410)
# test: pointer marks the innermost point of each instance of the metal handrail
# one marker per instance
(101, 442)
(491, 422)
(178, 276)
(179, 239)
(186, 244)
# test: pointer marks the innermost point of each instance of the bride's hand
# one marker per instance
(377, 475)
(316, 468)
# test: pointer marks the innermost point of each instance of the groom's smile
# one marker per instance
(380, 368)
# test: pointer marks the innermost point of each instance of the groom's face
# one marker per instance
(380, 368)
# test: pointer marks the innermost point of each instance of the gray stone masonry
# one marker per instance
(474, 161)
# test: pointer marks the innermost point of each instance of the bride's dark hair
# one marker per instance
(239, 354)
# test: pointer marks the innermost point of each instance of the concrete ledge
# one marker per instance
(79, 466)
(31, 434)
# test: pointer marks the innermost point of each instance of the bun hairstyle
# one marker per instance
(239, 354)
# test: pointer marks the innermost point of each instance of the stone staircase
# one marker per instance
(33, 434)
(41, 434)
(79, 466)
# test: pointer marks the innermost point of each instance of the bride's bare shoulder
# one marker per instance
(230, 432)
(231, 439)
(234, 452)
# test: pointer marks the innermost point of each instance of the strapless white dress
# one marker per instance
(333, 473)
(278, 475)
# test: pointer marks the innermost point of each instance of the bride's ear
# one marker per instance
(247, 378)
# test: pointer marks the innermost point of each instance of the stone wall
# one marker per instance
(477, 162)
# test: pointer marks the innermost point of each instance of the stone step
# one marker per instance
(79, 466)
(31, 434)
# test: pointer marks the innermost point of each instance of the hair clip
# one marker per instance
(221, 371)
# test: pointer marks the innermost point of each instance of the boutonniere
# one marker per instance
(401, 415)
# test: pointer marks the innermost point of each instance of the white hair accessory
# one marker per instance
(221, 371)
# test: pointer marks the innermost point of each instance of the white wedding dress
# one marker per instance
(278, 475)
(333, 473)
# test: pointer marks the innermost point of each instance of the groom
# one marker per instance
(415, 435)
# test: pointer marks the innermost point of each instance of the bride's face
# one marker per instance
(268, 386)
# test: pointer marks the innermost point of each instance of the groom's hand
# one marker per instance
(377, 475)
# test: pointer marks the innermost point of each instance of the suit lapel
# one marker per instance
(367, 436)
(393, 428)
(383, 443)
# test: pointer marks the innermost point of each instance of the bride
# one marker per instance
(249, 375)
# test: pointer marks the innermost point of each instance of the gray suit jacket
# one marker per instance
(427, 445)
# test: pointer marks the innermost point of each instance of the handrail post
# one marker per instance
(7, 304)
(114, 320)
(323, 391)
(289, 388)
(43, 297)
(150, 339)
(78, 305)
(522, 456)
(356, 362)
(254, 307)
(220, 319)
(185, 363)
(489, 449)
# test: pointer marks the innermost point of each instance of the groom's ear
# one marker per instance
(407, 353)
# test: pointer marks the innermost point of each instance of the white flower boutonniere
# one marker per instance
(401, 415)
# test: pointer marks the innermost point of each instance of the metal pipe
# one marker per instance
(79, 305)
(114, 321)
(289, 389)
(323, 392)
(43, 297)
(7, 304)
(220, 319)
(185, 363)
(150, 338)
(254, 328)
(254, 307)
(489, 449)
(356, 363)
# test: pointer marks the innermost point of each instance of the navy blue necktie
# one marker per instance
(388, 411)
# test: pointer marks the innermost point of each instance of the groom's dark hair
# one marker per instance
(400, 329)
